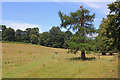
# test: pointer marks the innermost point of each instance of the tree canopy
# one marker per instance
(109, 30)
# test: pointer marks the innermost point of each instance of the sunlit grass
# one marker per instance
(34, 61)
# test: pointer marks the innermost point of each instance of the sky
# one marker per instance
(44, 15)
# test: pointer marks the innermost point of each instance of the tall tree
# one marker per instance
(106, 42)
(30, 31)
(24, 37)
(35, 31)
(81, 22)
(27, 33)
(56, 37)
(109, 29)
(114, 23)
(18, 35)
(9, 34)
(44, 39)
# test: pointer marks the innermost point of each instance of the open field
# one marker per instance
(34, 61)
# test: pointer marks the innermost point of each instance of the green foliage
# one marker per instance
(27, 36)
(75, 43)
(30, 31)
(18, 35)
(90, 44)
(8, 34)
(57, 37)
(113, 28)
(88, 52)
(3, 28)
(44, 39)
(34, 39)
(54, 38)
(75, 21)
(100, 44)
(109, 31)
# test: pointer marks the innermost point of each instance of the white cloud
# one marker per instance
(100, 7)
(18, 25)
(93, 5)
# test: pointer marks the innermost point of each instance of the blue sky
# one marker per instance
(44, 15)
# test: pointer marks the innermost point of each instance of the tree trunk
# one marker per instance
(83, 55)
(103, 53)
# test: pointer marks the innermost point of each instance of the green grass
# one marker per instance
(34, 61)
(17, 42)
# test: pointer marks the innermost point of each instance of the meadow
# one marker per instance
(35, 61)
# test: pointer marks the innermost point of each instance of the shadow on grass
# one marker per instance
(79, 58)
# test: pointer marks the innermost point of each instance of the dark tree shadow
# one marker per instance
(79, 58)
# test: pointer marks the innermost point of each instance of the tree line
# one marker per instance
(53, 38)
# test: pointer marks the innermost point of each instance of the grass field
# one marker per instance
(34, 61)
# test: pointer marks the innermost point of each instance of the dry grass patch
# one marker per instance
(34, 61)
